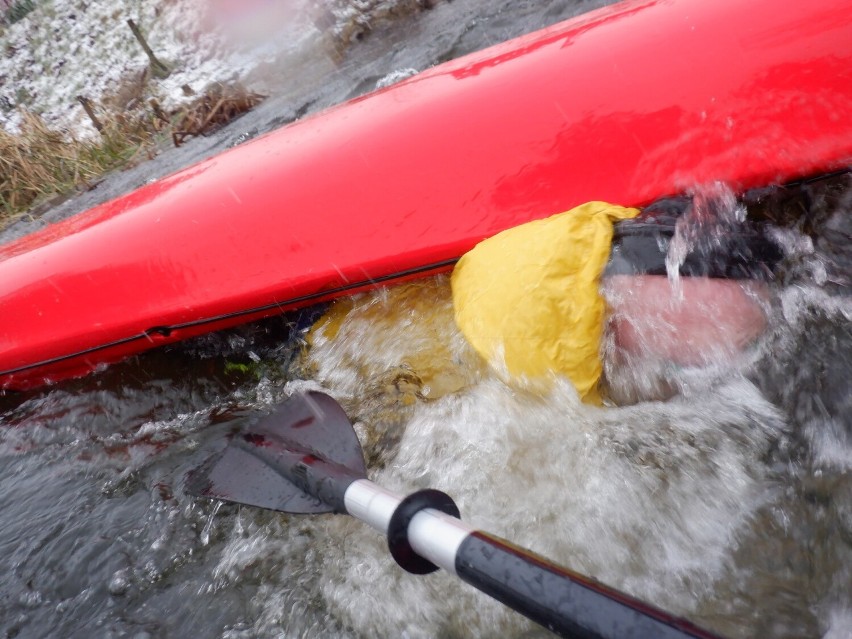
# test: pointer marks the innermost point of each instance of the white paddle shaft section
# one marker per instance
(436, 536)
(370, 503)
(432, 534)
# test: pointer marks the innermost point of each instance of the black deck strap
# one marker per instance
(640, 245)
(398, 543)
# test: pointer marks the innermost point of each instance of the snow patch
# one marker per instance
(66, 48)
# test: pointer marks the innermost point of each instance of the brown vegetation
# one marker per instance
(38, 162)
(218, 105)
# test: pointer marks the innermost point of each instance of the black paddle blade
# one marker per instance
(299, 459)
(315, 423)
(237, 476)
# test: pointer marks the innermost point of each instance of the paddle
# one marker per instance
(306, 458)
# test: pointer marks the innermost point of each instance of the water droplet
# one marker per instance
(119, 584)
(205, 534)
(31, 599)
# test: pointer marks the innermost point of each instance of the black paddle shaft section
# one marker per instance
(562, 601)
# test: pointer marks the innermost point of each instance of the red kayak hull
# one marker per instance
(625, 104)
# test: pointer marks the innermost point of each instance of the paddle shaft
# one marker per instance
(560, 600)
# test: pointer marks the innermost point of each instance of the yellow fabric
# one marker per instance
(528, 297)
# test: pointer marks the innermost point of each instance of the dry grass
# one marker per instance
(219, 105)
(39, 163)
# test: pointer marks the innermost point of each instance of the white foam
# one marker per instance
(648, 498)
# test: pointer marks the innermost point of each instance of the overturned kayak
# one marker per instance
(625, 104)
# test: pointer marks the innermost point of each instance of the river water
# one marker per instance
(722, 493)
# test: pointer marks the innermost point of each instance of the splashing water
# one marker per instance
(730, 502)
(650, 498)
(712, 503)
(205, 533)
(707, 224)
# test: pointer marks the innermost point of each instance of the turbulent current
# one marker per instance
(720, 492)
